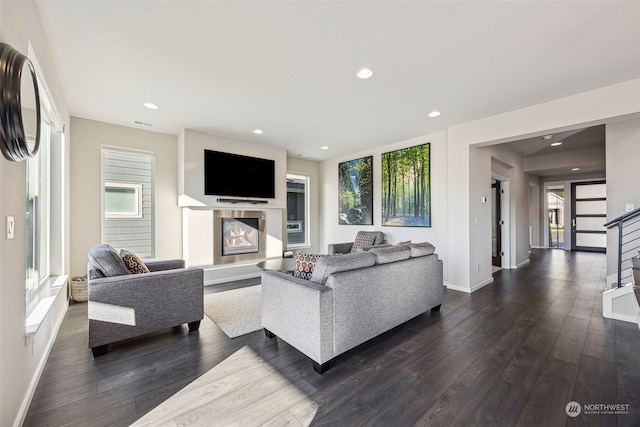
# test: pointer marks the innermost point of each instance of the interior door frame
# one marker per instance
(497, 260)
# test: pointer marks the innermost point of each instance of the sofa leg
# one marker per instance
(436, 308)
(100, 350)
(194, 326)
(321, 368)
(269, 334)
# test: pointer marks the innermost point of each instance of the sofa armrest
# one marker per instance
(161, 298)
(171, 264)
(300, 312)
(340, 248)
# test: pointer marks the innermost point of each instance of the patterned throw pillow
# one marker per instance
(133, 262)
(362, 241)
(304, 265)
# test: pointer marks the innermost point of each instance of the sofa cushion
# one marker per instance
(334, 264)
(106, 262)
(390, 254)
(305, 264)
(133, 262)
(420, 249)
(362, 241)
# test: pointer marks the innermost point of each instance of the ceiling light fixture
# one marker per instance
(258, 131)
(555, 144)
(151, 105)
(575, 169)
(324, 147)
(434, 114)
(364, 73)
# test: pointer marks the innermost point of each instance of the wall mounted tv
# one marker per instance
(233, 175)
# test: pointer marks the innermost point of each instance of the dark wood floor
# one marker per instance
(515, 352)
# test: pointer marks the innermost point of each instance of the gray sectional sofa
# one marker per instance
(350, 299)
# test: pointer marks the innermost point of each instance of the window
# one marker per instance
(122, 200)
(297, 211)
(128, 215)
(37, 213)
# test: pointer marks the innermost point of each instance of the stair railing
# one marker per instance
(628, 239)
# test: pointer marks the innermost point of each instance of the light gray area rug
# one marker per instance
(243, 390)
(236, 312)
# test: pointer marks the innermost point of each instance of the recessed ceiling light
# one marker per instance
(364, 73)
(258, 131)
(324, 147)
(575, 169)
(151, 105)
(434, 114)
(555, 144)
(547, 137)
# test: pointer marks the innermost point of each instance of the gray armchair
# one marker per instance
(124, 305)
(345, 248)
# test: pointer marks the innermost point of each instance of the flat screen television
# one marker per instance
(233, 175)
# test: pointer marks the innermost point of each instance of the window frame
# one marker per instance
(307, 223)
(137, 214)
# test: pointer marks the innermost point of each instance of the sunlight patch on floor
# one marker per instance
(242, 390)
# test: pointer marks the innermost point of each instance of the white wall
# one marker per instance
(623, 176)
(332, 232)
(87, 139)
(22, 359)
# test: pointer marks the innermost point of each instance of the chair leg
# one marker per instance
(436, 308)
(100, 350)
(194, 326)
(269, 334)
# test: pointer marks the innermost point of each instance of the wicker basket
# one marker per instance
(79, 291)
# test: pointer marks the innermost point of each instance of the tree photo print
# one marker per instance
(406, 187)
(355, 192)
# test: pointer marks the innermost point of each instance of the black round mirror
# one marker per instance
(19, 105)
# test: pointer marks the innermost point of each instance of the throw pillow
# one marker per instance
(304, 265)
(104, 261)
(362, 241)
(133, 262)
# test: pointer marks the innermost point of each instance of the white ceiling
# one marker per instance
(289, 68)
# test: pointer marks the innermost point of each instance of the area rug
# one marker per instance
(236, 312)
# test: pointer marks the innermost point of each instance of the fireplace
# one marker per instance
(238, 236)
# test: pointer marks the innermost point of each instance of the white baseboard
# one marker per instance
(471, 289)
(521, 264)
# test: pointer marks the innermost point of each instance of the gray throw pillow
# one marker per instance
(107, 261)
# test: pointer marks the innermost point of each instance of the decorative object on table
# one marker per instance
(19, 106)
(79, 289)
(236, 312)
(406, 187)
(355, 191)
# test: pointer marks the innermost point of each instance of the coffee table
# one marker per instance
(284, 265)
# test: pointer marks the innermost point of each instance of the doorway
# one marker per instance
(555, 206)
(496, 223)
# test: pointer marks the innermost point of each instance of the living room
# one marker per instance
(461, 157)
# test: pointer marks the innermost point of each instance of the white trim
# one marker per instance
(137, 188)
(231, 279)
(471, 289)
(521, 264)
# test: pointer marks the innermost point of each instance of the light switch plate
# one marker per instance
(10, 227)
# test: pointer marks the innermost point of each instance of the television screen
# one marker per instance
(227, 174)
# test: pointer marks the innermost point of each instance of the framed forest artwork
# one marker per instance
(406, 187)
(355, 192)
